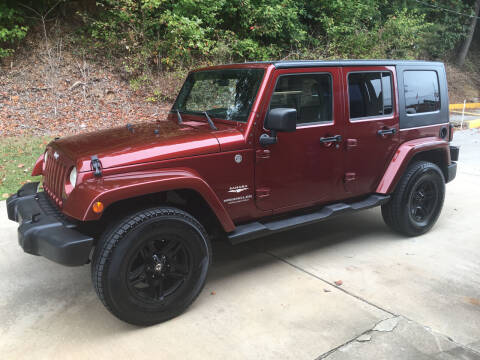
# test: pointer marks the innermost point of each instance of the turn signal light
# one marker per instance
(97, 207)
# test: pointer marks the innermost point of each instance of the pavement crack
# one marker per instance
(330, 283)
(362, 336)
(393, 320)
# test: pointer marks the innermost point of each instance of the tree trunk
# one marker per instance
(466, 45)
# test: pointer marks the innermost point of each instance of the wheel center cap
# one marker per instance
(158, 267)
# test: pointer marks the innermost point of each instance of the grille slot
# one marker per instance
(54, 178)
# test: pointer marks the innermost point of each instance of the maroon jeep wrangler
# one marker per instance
(247, 150)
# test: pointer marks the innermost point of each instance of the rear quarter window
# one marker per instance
(422, 94)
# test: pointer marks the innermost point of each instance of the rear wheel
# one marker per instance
(152, 265)
(417, 200)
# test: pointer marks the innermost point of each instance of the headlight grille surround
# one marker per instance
(56, 176)
(73, 177)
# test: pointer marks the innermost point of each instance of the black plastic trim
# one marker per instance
(452, 172)
(44, 230)
(454, 152)
(257, 229)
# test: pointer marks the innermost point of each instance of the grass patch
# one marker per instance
(17, 157)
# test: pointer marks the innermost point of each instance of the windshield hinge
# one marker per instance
(96, 165)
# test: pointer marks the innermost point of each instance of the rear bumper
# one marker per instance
(44, 230)
(452, 172)
(452, 167)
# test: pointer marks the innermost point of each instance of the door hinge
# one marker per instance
(350, 176)
(263, 154)
(351, 143)
(262, 193)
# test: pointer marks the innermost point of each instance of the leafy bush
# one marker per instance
(11, 29)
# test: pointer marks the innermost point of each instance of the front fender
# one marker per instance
(402, 157)
(38, 167)
(113, 188)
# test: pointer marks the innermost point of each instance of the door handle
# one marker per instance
(383, 132)
(331, 139)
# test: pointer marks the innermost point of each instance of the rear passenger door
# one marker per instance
(372, 129)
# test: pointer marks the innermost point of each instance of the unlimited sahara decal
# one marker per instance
(237, 199)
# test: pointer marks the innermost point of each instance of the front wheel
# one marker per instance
(152, 265)
(417, 200)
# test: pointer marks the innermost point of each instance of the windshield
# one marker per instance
(224, 94)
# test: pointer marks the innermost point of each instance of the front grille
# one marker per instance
(54, 177)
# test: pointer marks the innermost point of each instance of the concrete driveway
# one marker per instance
(276, 297)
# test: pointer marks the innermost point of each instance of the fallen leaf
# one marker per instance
(5, 196)
(21, 166)
(213, 293)
(338, 282)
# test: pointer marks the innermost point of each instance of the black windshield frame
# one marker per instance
(247, 83)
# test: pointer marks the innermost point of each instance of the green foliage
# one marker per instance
(17, 155)
(172, 35)
(11, 29)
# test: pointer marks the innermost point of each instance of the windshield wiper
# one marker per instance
(179, 117)
(210, 122)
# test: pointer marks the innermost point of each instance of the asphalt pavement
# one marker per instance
(276, 298)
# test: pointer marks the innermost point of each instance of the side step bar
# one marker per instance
(257, 229)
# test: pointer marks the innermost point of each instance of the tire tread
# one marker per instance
(112, 236)
(392, 211)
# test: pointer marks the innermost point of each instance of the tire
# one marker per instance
(152, 265)
(417, 200)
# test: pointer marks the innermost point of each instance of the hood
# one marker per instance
(141, 143)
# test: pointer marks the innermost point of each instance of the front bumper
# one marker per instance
(44, 230)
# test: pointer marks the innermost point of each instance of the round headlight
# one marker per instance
(73, 177)
(45, 158)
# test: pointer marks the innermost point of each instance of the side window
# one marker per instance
(310, 94)
(421, 91)
(370, 94)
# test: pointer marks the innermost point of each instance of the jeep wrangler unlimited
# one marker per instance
(247, 150)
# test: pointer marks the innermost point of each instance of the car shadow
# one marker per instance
(361, 226)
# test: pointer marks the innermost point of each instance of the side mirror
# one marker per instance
(280, 119)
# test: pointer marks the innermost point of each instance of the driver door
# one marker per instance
(304, 167)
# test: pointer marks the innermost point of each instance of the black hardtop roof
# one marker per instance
(286, 64)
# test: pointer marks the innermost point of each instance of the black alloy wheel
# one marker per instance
(417, 201)
(150, 266)
(158, 269)
(423, 201)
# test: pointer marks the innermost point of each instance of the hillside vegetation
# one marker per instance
(69, 66)
(160, 34)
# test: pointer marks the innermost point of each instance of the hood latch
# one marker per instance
(96, 165)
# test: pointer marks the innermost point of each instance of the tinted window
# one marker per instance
(370, 94)
(225, 94)
(421, 91)
(310, 94)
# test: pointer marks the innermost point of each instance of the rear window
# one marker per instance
(421, 91)
(370, 94)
